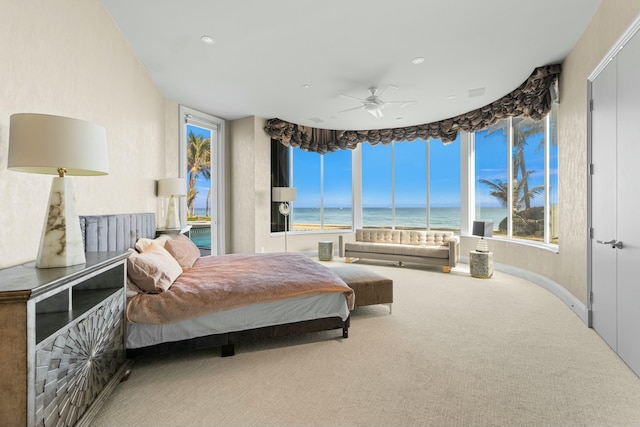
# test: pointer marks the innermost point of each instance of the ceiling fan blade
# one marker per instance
(353, 98)
(360, 107)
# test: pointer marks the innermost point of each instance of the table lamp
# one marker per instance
(63, 146)
(482, 229)
(284, 195)
(172, 188)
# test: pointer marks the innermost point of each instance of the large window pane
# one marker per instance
(306, 180)
(199, 172)
(528, 178)
(491, 180)
(376, 185)
(410, 194)
(337, 198)
(444, 188)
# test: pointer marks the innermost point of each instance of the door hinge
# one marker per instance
(591, 169)
(591, 104)
(591, 232)
(591, 297)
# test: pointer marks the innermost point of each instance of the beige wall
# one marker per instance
(250, 186)
(610, 21)
(66, 57)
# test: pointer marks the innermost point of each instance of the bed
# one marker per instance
(216, 301)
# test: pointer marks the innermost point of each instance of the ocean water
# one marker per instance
(441, 218)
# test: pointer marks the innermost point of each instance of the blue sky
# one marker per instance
(410, 173)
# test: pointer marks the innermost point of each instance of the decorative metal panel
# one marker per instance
(74, 367)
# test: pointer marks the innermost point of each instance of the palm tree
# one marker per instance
(521, 192)
(198, 163)
(524, 129)
(521, 214)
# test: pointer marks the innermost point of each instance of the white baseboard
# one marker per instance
(565, 296)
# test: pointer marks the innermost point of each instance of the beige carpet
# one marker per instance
(457, 351)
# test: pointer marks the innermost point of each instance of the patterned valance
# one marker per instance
(531, 99)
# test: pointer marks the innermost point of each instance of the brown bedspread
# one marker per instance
(218, 283)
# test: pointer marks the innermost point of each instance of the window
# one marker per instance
(201, 164)
(307, 181)
(323, 185)
(377, 182)
(337, 198)
(409, 185)
(404, 185)
(444, 185)
(491, 183)
(516, 164)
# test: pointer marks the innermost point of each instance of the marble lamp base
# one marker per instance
(61, 242)
(173, 218)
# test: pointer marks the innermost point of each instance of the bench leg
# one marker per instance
(446, 269)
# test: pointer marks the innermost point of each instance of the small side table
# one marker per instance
(325, 250)
(481, 264)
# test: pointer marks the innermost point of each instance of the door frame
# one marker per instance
(217, 161)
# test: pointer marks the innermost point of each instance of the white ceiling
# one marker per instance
(265, 52)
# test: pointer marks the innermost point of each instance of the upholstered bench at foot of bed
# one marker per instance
(370, 288)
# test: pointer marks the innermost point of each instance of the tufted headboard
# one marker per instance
(119, 232)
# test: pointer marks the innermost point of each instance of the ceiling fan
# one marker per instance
(374, 103)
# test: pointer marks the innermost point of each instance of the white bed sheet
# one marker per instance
(239, 319)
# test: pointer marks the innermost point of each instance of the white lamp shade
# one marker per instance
(40, 143)
(172, 187)
(283, 194)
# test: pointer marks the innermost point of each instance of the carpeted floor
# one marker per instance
(457, 351)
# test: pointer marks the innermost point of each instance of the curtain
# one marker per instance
(532, 99)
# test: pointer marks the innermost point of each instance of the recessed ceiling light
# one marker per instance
(207, 39)
(417, 60)
(398, 119)
(306, 86)
(451, 97)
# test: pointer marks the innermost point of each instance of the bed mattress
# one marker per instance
(249, 317)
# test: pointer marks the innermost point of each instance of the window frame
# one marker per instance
(467, 186)
(190, 116)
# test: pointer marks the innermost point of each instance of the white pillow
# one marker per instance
(154, 270)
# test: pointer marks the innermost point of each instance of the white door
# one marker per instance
(629, 203)
(604, 276)
(615, 204)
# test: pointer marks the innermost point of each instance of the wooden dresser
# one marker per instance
(62, 340)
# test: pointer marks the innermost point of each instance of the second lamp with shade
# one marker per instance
(482, 229)
(284, 195)
(173, 189)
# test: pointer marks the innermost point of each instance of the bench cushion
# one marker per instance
(369, 287)
(429, 251)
